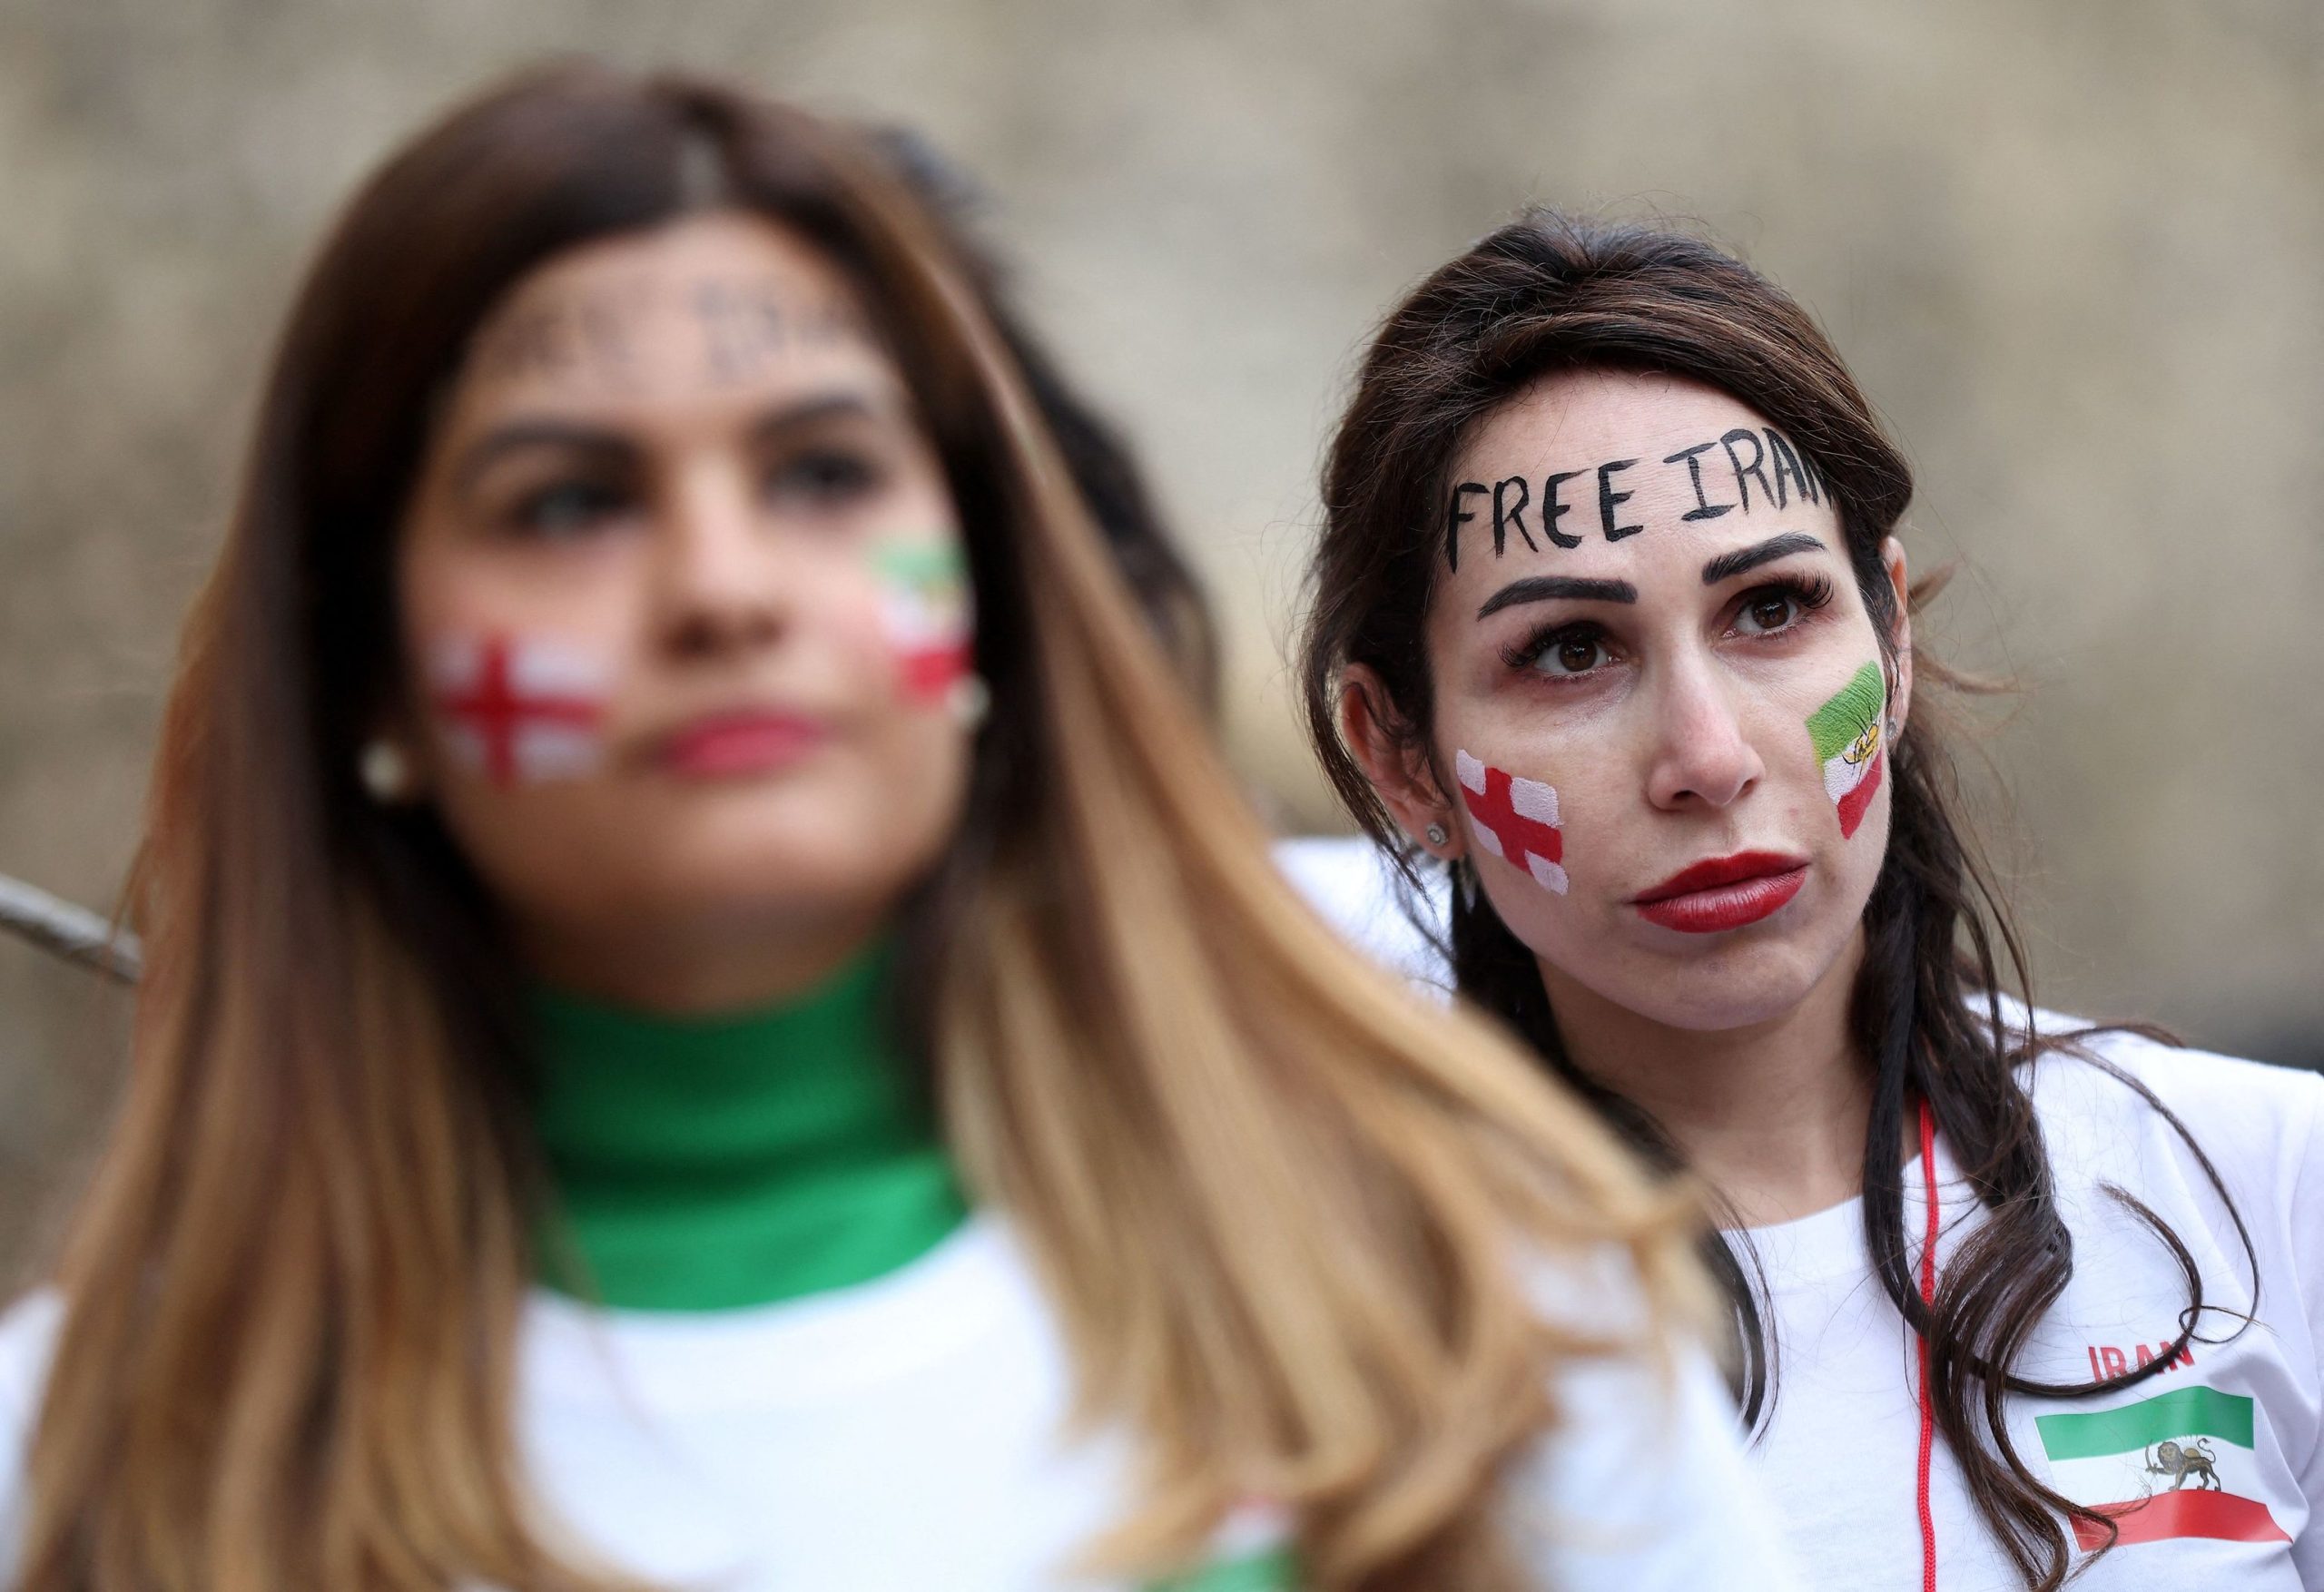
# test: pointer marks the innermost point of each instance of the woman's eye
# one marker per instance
(1571, 654)
(1768, 611)
(569, 509)
(823, 476)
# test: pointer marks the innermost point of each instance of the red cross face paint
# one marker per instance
(521, 710)
(1846, 734)
(1516, 821)
(927, 615)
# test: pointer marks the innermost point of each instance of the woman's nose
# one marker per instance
(722, 586)
(1702, 753)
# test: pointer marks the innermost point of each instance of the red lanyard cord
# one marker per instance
(1928, 1298)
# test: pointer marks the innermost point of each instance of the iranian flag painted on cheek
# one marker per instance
(925, 611)
(1846, 734)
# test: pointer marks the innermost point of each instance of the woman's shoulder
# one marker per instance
(1643, 1484)
(1354, 887)
(2099, 1083)
(28, 1330)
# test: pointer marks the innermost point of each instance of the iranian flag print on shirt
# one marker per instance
(2179, 1464)
(1846, 734)
(925, 611)
(1516, 820)
(519, 708)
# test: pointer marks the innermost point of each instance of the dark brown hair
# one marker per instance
(1272, 1203)
(1551, 293)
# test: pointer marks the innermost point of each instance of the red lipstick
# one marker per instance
(727, 745)
(1723, 892)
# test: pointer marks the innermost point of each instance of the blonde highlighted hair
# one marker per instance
(1276, 1201)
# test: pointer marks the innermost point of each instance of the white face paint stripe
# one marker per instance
(547, 669)
(1470, 771)
(1548, 874)
(1534, 800)
(555, 751)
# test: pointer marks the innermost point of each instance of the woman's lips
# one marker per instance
(1724, 892)
(723, 745)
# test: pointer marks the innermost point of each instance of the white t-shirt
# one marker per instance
(909, 1433)
(1840, 1453)
(2245, 1418)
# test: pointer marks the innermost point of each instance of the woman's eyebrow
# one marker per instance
(519, 435)
(805, 413)
(1728, 565)
(1544, 588)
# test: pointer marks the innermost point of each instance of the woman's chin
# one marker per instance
(1716, 989)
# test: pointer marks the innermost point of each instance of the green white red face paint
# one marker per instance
(927, 615)
(519, 710)
(1515, 820)
(1846, 733)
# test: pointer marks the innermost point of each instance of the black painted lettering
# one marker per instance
(1506, 518)
(1455, 516)
(1756, 470)
(1704, 508)
(1608, 497)
(1554, 511)
(1786, 462)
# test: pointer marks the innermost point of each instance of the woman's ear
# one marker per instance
(1900, 699)
(1397, 765)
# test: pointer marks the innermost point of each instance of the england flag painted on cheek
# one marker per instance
(1516, 821)
(519, 709)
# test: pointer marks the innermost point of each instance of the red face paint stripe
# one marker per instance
(1519, 835)
(1858, 800)
(931, 673)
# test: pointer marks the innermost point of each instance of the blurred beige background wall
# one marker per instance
(2071, 246)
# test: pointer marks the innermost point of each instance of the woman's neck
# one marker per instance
(713, 1163)
(702, 965)
(1771, 1115)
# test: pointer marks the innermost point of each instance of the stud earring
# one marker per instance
(1438, 834)
(385, 772)
(970, 701)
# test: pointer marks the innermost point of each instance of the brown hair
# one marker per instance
(1104, 471)
(1273, 1200)
(1551, 293)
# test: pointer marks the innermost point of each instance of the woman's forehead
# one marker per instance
(714, 302)
(1601, 414)
(1616, 474)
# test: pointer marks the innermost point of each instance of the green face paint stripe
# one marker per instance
(1855, 708)
(929, 565)
(2183, 1412)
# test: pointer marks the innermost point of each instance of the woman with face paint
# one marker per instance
(706, 992)
(1611, 635)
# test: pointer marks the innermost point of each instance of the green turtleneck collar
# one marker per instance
(714, 1162)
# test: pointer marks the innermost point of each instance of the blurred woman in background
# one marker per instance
(707, 992)
(1612, 626)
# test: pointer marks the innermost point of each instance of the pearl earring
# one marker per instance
(1438, 834)
(385, 772)
(970, 701)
